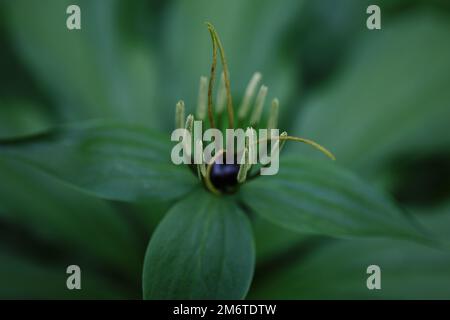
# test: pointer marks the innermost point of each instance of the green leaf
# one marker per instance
(436, 219)
(203, 249)
(25, 278)
(114, 161)
(280, 240)
(56, 213)
(93, 72)
(20, 118)
(339, 271)
(317, 196)
(390, 99)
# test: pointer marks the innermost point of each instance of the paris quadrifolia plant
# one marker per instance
(204, 247)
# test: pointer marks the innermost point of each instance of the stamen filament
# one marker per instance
(188, 127)
(272, 122)
(199, 156)
(179, 115)
(203, 169)
(259, 104)
(283, 140)
(244, 167)
(189, 123)
(202, 98)
(208, 182)
(249, 93)
(250, 144)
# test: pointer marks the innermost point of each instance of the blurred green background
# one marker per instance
(380, 100)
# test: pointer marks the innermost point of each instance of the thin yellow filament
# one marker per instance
(225, 72)
(211, 78)
(306, 141)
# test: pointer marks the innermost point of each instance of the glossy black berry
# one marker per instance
(224, 176)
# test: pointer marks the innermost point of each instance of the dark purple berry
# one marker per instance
(224, 176)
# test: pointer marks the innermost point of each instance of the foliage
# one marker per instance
(85, 167)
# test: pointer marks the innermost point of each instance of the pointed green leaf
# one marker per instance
(114, 161)
(93, 72)
(317, 196)
(54, 212)
(339, 271)
(392, 98)
(21, 118)
(203, 249)
(25, 278)
(436, 219)
(280, 240)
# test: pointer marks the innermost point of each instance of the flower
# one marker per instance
(217, 176)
